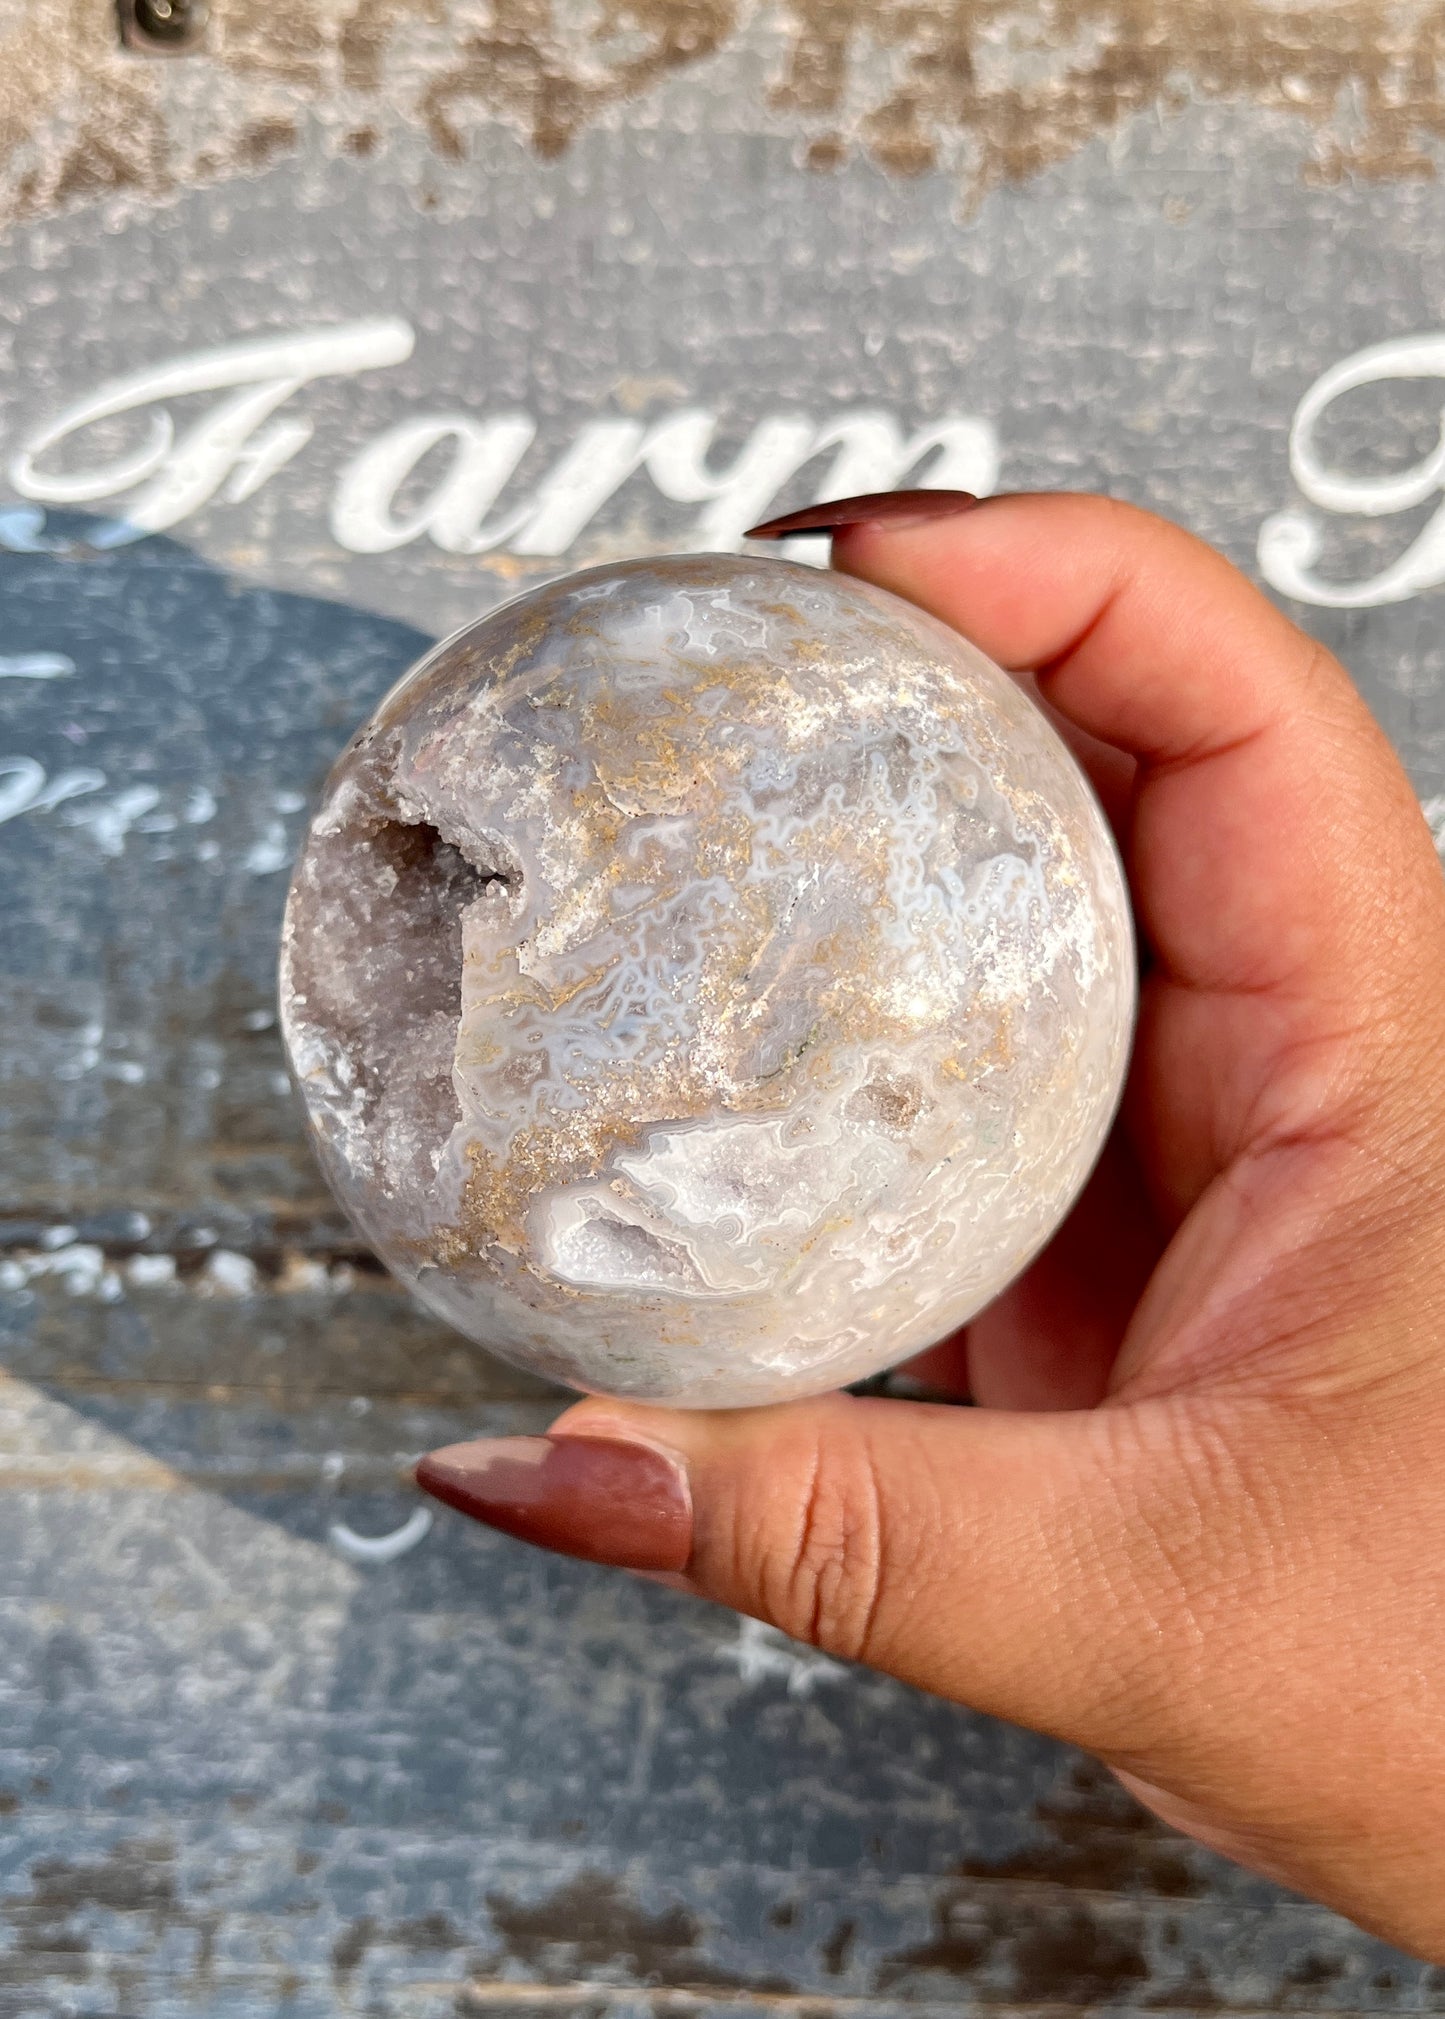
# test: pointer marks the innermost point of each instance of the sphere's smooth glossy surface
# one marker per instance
(709, 979)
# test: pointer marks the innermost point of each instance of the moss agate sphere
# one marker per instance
(709, 979)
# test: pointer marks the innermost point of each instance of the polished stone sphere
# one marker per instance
(709, 979)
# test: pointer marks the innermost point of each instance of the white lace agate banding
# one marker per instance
(709, 979)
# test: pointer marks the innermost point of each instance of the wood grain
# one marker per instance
(242, 1772)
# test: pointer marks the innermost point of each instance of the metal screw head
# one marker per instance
(163, 27)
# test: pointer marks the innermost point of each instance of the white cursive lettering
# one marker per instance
(36, 666)
(870, 453)
(24, 787)
(443, 476)
(1290, 543)
(176, 476)
(484, 455)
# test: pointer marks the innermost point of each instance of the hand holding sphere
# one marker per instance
(1197, 1524)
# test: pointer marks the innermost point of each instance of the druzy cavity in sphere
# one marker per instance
(709, 979)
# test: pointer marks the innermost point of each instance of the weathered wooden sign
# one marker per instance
(322, 329)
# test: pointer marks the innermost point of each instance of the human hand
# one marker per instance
(1197, 1525)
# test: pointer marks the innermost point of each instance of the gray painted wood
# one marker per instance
(242, 1771)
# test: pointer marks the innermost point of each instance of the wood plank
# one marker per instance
(243, 1768)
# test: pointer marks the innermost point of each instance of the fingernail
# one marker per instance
(895, 508)
(604, 1499)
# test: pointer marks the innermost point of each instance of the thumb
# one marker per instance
(1023, 1564)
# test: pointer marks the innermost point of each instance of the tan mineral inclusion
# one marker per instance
(709, 979)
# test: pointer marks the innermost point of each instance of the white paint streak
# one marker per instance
(26, 788)
(760, 1654)
(373, 1549)
(1434, 812)
(270, 853)
(36, 666)
(110, 820)
(1290, 543)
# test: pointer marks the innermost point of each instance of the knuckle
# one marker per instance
(826, 1578)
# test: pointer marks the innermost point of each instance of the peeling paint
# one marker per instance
(993, 91)
(592, 1924)
(85, 1270)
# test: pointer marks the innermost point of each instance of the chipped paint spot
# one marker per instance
(1434, 812)
(227, 1274)
(593, 1925)
(80, 1268)
(84, 1269)
(150, 1272)
(270, 852)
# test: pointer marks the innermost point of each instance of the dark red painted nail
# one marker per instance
(605, 1499)
(897, 508)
